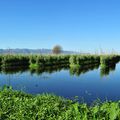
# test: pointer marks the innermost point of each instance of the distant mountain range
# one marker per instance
(31, 51)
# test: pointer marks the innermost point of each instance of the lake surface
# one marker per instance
(88, 84)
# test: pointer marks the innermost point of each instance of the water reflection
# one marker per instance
(83, 70)
(14, 70)
(66, 82)
(105, 70)
(49, 70)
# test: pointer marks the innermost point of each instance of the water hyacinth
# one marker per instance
(18, 105)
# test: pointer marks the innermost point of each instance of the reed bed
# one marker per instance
(40, 61)
(82, 60)
(14, 60)
(48, 60)
(107, 60)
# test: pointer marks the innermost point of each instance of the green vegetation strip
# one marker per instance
(16, 105)
(107, 60)
(41, 61)
(48, 60)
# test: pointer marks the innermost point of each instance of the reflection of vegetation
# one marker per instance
(108, 63)
(82, 70)
(13, 70)
(49, 69)
(18, 105)
(105, 70)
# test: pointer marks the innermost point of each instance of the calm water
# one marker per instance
(88, 84)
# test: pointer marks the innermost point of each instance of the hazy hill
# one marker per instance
(31, 51)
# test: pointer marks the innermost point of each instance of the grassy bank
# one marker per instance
(16, 105)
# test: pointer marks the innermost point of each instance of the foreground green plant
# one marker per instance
(16, 105)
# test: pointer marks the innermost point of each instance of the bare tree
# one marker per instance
(57, 49)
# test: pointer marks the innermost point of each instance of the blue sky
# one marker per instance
(79, 25)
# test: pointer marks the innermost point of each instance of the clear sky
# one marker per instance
(80, 25)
